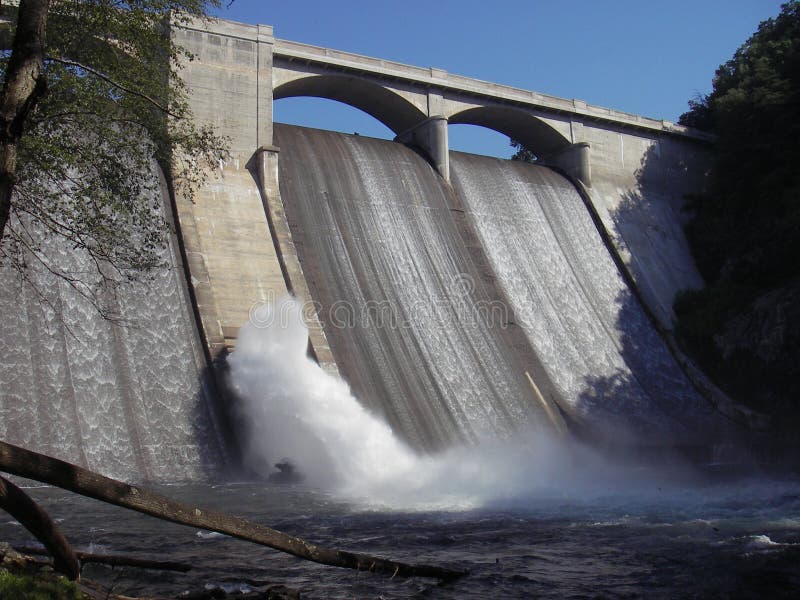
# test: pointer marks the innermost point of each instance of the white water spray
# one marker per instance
(294, 410)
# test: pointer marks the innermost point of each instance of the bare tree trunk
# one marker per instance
(23, 87)
(30, 515)
(32, 465)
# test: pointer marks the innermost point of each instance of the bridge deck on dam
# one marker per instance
(294, 56)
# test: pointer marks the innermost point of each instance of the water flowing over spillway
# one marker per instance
(378, 242)
(374, 224)
(127, 401)
(456, 313)
(610, 366)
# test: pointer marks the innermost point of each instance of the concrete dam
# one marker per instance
(376, 226)
(461, 297)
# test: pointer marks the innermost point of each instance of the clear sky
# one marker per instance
(641, 56)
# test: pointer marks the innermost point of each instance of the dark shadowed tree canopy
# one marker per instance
(91, 102)
(745, 230)
(522, 153)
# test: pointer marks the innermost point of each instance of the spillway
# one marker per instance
(394, 272)
(131, 401)
(374, 225)
(612, 370)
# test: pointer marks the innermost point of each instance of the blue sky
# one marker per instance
(646, 57)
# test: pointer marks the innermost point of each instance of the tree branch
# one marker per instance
(115, 560)
(30, 515)
(32, 465)
(116, 84)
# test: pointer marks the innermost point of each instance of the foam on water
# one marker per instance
(764, 542)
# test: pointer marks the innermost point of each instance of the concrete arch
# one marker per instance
(397, 113)
(533, 133)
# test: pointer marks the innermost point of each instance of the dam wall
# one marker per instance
(131, 399)
(415, 324)
(400, 265)
(611, 368)
(636, 170)
(462, 298)
(335, 248)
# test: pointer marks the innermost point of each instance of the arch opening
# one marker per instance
(534, 134)
(477, 139)
(394, 111)
(322, 113)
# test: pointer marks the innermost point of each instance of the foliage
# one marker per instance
(26, 587)
(522, 153)
(114, 105)
(747, 225)
(745, 229)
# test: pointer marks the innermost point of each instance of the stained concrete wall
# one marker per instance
(237, 242)
(639, 183)
(230, 79)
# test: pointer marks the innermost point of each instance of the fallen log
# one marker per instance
(32, 465)
(31, 516)
(115, 560)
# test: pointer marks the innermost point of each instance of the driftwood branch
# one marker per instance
(31, 516)
(32, 465)
(114, 560)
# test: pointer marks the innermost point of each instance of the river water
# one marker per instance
(695, 535)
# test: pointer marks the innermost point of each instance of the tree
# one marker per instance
(522, 153)
(745, 229)
(91, 99)
(754, 109)
(52, 471)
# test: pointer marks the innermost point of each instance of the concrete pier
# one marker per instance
(430, 136)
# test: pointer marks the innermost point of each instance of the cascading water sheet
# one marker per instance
(130, 401)
(398, 290)
(612, 370)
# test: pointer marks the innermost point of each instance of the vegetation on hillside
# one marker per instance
(744, 327)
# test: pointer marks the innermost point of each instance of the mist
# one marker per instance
(291, 409)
